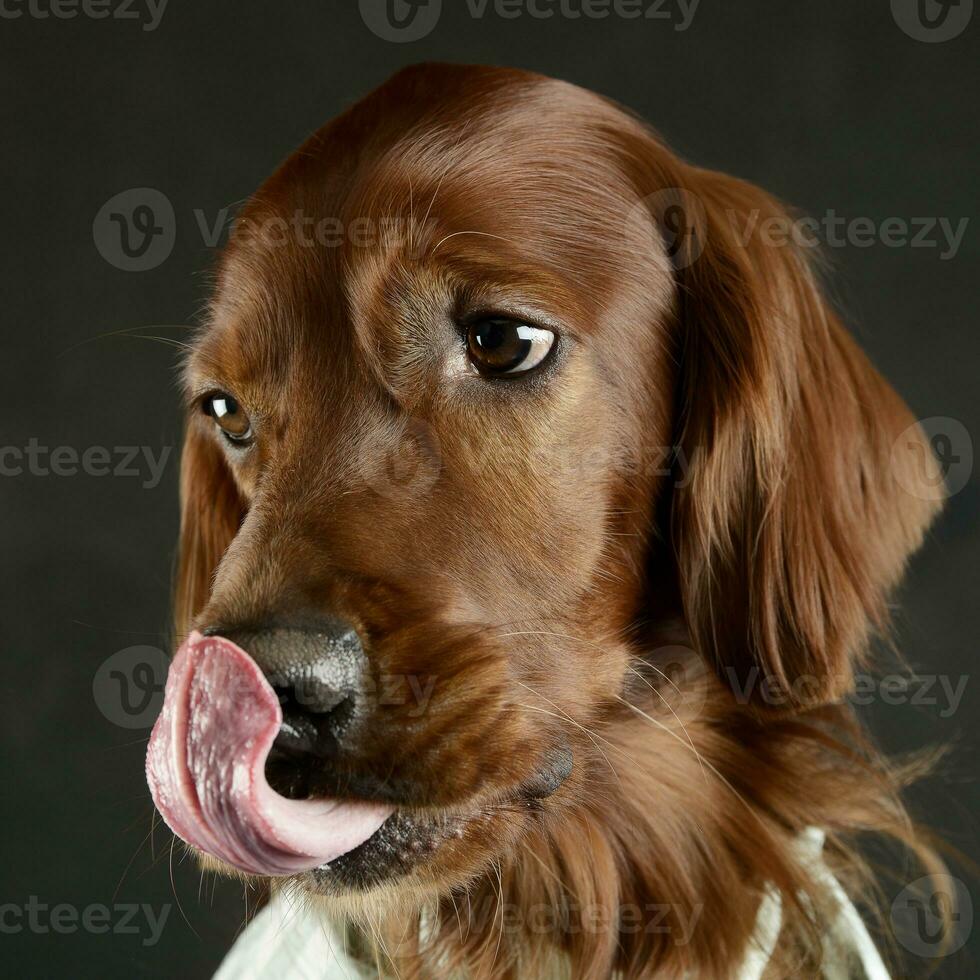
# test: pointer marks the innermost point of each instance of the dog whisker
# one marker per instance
(173, 888)
(712, 768)
(671, 710)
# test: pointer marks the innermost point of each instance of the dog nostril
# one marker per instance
(297, 734)
(308, 736)
(313, 718)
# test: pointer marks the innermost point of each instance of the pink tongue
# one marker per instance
(206, 768)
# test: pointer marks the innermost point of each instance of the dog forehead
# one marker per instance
(455, 149)
(418, 190)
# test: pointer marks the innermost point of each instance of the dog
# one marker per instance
(535, 520)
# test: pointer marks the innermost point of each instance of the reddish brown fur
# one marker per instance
(543, 567)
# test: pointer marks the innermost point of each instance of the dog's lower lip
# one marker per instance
(378, 834)
(555, 769)
(407, 838)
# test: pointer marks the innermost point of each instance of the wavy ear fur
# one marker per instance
(801, 507)
(211, 513)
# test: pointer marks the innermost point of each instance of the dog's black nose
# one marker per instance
(316, 670)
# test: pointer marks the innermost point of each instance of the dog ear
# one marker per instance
(809, 482)
(211, 513)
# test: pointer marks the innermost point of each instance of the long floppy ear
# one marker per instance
(211, 513)
(807, 488)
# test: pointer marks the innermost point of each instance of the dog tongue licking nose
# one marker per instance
(206, 768)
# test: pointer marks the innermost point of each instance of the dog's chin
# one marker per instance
(404, 849)
(422, 847)
(411, 853)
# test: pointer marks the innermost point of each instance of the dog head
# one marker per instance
(494, 390)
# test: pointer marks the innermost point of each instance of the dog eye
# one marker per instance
(498, 346)
(230, 418)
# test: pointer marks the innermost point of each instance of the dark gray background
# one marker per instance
(829, 105)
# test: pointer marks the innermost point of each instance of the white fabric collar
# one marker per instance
(289, 939)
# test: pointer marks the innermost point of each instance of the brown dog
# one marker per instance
(592, 500)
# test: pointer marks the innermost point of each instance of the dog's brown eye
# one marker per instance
(500, 346)
(228, 414)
